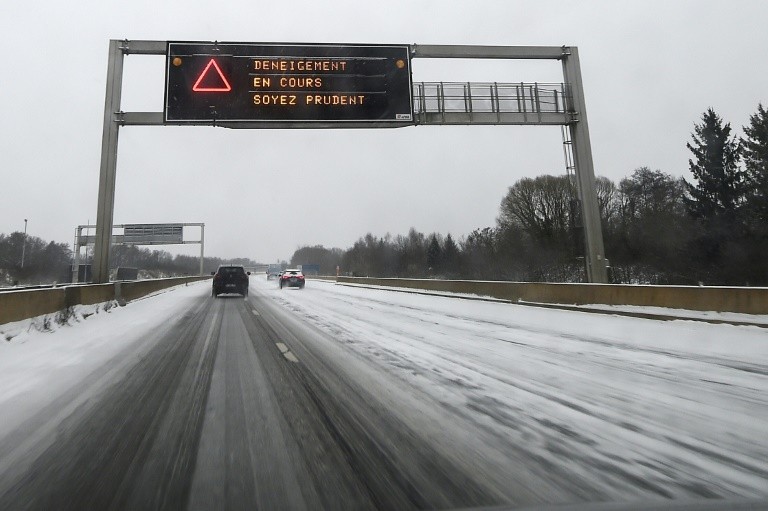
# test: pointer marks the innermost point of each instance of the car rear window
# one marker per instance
(232, 270)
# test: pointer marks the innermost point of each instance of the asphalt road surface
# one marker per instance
(236, 406)
(337, 398)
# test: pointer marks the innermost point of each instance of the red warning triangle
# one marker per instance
(212, 81)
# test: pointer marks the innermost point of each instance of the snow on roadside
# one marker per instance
(20, 331)
(48, 355)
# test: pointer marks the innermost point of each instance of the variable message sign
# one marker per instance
(153, 234)
(209, 83)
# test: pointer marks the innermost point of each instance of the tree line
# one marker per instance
(657, 229)
(43, 261)
(48, 262)
(159, 263)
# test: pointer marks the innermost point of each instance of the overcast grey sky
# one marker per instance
(650, 69)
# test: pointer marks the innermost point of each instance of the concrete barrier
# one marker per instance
(329, 278)
(25, 304)
(747, 300)
(88, 295)
(18, 305)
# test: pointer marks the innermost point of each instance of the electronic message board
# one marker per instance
(153, 234)
(209, 83)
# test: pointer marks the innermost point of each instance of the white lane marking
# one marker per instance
(255, 312)
(286, 352)
(205, 345)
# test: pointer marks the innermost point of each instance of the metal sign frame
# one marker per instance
(573, 117)
(122, 239)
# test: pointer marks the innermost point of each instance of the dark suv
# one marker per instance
(230, 279)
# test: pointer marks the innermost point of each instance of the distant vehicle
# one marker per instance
(292, 278)
(230, 279)
(310, 269)
(273, 271)
(124, 273)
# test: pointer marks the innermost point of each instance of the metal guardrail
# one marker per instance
(479, 102)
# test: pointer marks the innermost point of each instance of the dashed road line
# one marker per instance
(286, 352)
(255, 312)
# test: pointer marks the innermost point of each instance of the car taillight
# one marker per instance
(301, 277)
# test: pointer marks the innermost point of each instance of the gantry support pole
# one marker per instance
(594, 251)
(108, 171)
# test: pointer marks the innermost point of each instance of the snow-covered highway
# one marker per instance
(337, 397)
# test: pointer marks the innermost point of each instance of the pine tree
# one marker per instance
(434, 254)
(716, 202)
(755, 154)
(450, 255)
(720, 187)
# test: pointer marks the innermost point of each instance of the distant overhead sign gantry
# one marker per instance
(215, 83)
